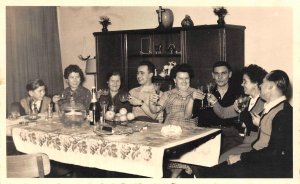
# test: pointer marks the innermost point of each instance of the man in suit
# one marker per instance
(272, 152)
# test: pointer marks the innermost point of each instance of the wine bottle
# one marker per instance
(94, 109)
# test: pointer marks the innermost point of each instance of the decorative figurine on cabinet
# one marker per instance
(187, 22)
(158, 48)
(171, 49)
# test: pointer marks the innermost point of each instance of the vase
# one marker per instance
(165, 18)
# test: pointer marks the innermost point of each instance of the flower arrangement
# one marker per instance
(221, 12)
(104, 21)
(167, 69)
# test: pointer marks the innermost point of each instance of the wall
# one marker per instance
(268, 36)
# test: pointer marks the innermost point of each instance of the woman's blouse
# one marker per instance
(81, 95)
(116, 102)
(174, 103)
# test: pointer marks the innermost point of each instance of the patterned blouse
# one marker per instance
(81, 95)
(174, 102)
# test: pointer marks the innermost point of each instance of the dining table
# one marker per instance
(137, 147)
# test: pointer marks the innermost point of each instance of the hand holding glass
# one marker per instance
(242, 102)
(124, 97)
(157, 89)
(210, 87)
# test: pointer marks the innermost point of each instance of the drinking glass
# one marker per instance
(209, 86)
(201, 88)
(103, 104)
(157, 88)
(242, 102)
(103, 91)
(124, 97)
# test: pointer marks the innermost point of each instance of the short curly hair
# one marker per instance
(182, 68)
(256, 73)
(76, 69)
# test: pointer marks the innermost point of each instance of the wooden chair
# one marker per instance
(28, 166)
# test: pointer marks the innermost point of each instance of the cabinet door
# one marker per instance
(109, 54)
(204, 47)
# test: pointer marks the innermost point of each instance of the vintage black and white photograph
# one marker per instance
(111, 92)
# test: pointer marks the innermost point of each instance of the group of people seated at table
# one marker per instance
(264, 151)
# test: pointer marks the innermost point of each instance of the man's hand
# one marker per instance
(233, 159)
(135, 101)
(255, 118)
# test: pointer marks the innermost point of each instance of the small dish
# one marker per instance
(32, 118)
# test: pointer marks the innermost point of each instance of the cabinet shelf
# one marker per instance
(155, 55)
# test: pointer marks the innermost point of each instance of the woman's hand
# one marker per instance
(198, 95)
(55, 99)
(154, 98)
(235, 105)
(135, 101)
(233, 159)
(255, 119)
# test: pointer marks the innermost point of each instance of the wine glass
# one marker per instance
(242, 102)
(103, 104)
(103, 91)
(200, 88)
(157, 88)
(209, 86)
(124, 97)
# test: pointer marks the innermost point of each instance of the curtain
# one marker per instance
(32, 50)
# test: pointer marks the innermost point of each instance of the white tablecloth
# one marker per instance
(140, 153)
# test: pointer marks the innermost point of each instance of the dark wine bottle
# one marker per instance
(94, 109)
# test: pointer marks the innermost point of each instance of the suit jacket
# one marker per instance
(25, 105)
(278, 155)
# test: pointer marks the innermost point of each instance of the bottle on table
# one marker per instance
(94, 109)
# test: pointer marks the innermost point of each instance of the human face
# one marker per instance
(114, 83)
(143, 75)
(74, 80)
(38, 93)
(249, 87)
(265, 90)
(221, 75)
(182, 80)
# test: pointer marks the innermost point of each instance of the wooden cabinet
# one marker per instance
(199, 46)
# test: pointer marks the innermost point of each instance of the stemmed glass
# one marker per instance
(200, 87)
(103, 91)
(124, 97)
(242, 102)
(103, 104)
(157, 88)
(209, 86)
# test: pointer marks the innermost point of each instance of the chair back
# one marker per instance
(28, 166)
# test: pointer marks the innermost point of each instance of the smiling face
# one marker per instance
(182, 80)
(143, 75)
(249, 87)
(38, 93)
(221, 75)
(74, 80)
(114, 83)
